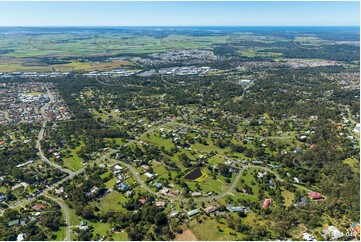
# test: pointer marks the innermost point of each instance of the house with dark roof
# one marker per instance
(122, 186)
(157, 185)
(302, 202)
(2, 197)
(236, 209)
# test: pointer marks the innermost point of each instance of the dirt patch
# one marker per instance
(187, 235)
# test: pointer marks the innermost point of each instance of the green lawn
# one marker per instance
(249, 180)
(353, 163)
(60, 235)
(289, 197)
(155, 139)
(203, 232)
(73, 162)
(211, 185)
(109, 184)
(74, 220)
(120, 236)
(112, 202)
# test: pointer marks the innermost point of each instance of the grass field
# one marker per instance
(100, 228)
(353, 163)
(74, 161)
(112, 202)
(120, 236)
(250, 181)
(60, 235)
(218, 232)
(74, 220)
(186, 235)
(289, 197)
(155, 139)
(109, 184)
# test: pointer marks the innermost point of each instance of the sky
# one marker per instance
(179, 13)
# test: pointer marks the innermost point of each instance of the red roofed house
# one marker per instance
(315, 195)
(38, 207)
(312, 146)
(267, 202)
(143, 200)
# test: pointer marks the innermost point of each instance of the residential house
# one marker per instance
(160, 203)
(175, 192)
(157, 185)
(149, 175)
(333, 233)
(308, 237)
(315, 195)
(122, 186)
(193, 212)
(266, 203)
(2, 197)
(38, 207)
(14, 222)
(210, 209)
(355, 228)
(145, 167)
(236, 209)
(196, 194)
(142, 200)
(173, 213)
(302, 202)
(20, 237)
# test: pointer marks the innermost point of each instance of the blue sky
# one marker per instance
(179, 13)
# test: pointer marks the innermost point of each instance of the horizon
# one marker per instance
(176, 26)
(179, 14)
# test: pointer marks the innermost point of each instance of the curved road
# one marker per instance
(41, 137)
(66, 213)
(199, 199)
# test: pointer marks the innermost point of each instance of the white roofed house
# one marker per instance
(196, 194)
(149, 175)
(118, 167)
(333, 233)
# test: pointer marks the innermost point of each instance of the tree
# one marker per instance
(160, 218)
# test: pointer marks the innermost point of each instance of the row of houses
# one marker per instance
(212, 209)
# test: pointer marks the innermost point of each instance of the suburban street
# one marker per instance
(201, 199)
(66, 213)
(41, 137)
